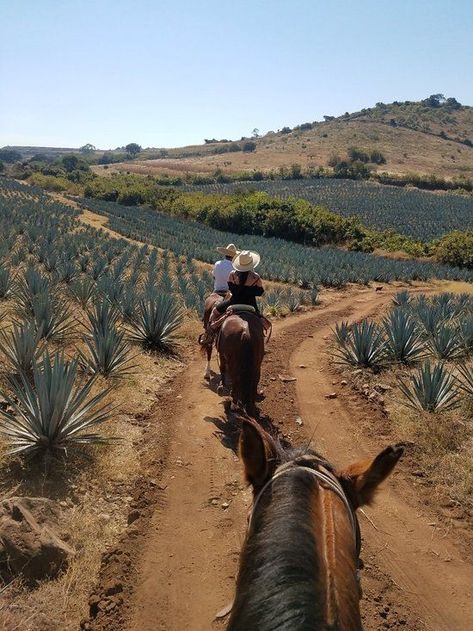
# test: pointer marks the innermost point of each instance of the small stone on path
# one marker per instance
(287, 378)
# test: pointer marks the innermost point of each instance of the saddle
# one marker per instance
(241, 309)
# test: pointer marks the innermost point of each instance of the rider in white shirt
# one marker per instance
(223, 268)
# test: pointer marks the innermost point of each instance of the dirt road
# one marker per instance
(178, 567)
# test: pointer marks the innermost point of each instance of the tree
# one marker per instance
(452, 103)
(88, 148)
(2, 167)
(434, 100)
(456, 248)
(255, 133)
(10, 155)
(286, 130)
(133, 149)
(296, 171)
(70, 162)
(249, 146)
(377, 157)
(328, 118)
(357, 154)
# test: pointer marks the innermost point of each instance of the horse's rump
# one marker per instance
(240, 345)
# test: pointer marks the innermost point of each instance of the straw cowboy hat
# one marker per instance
(246, 261)
(230, 250)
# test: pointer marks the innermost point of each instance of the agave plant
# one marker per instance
(292, 301)
(53, 412)
(107, 353)
(342, 333)
(31, 285)
(465, 333)
(402, 298)
(65, 271)
(431, 317)
(98, 268)
(6, 282)
(103, 316)
(82, 290)
(51, 316)
(432, 389)
(21, 347)
(128, 302)
(364, 347)
(404, 342)
(272, 304)
(466, 382)
(445, 343)
(314, 296)
(111, 288)
(156, 323)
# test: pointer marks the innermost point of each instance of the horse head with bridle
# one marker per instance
(299, 563)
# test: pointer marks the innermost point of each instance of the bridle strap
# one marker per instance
(327, 480)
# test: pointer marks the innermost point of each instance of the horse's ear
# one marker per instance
(364, 477)
(258, 452)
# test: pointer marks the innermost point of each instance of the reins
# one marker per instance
(327, 480)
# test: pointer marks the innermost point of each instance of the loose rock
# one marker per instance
(29, 542)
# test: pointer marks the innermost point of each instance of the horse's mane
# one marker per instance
(279, 571)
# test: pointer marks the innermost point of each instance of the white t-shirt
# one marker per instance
(221, 273)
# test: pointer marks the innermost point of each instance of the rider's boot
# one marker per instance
(207, 338)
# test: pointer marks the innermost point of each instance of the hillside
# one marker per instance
(413, 137)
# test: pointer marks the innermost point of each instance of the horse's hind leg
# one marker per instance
(223, 376)
(207, 374)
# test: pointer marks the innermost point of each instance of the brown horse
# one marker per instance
(209, 304)
(240, 346)
(298, 568)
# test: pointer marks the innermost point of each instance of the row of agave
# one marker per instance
(71, 291)
(427, 332)
(51, 407)
(282, 260)
(412, 212)
(64, 286)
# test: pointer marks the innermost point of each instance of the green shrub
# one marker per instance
(456, 248)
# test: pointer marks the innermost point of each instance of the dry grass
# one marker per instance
(405, 150)
(92, 486)
(442, 445)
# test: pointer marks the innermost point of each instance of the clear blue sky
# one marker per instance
(171, 73)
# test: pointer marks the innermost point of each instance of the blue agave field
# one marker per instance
(281, 260)
(414, 213)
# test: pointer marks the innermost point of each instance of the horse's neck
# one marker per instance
(291, 573)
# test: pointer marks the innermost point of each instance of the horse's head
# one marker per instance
(300, 557)
(262, 455)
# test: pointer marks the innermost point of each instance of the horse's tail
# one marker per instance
(247, 373)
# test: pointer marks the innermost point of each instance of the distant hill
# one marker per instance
(433, 136)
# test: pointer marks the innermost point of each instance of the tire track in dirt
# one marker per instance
(184, 556)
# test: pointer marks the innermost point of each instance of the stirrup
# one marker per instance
(206, 338)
